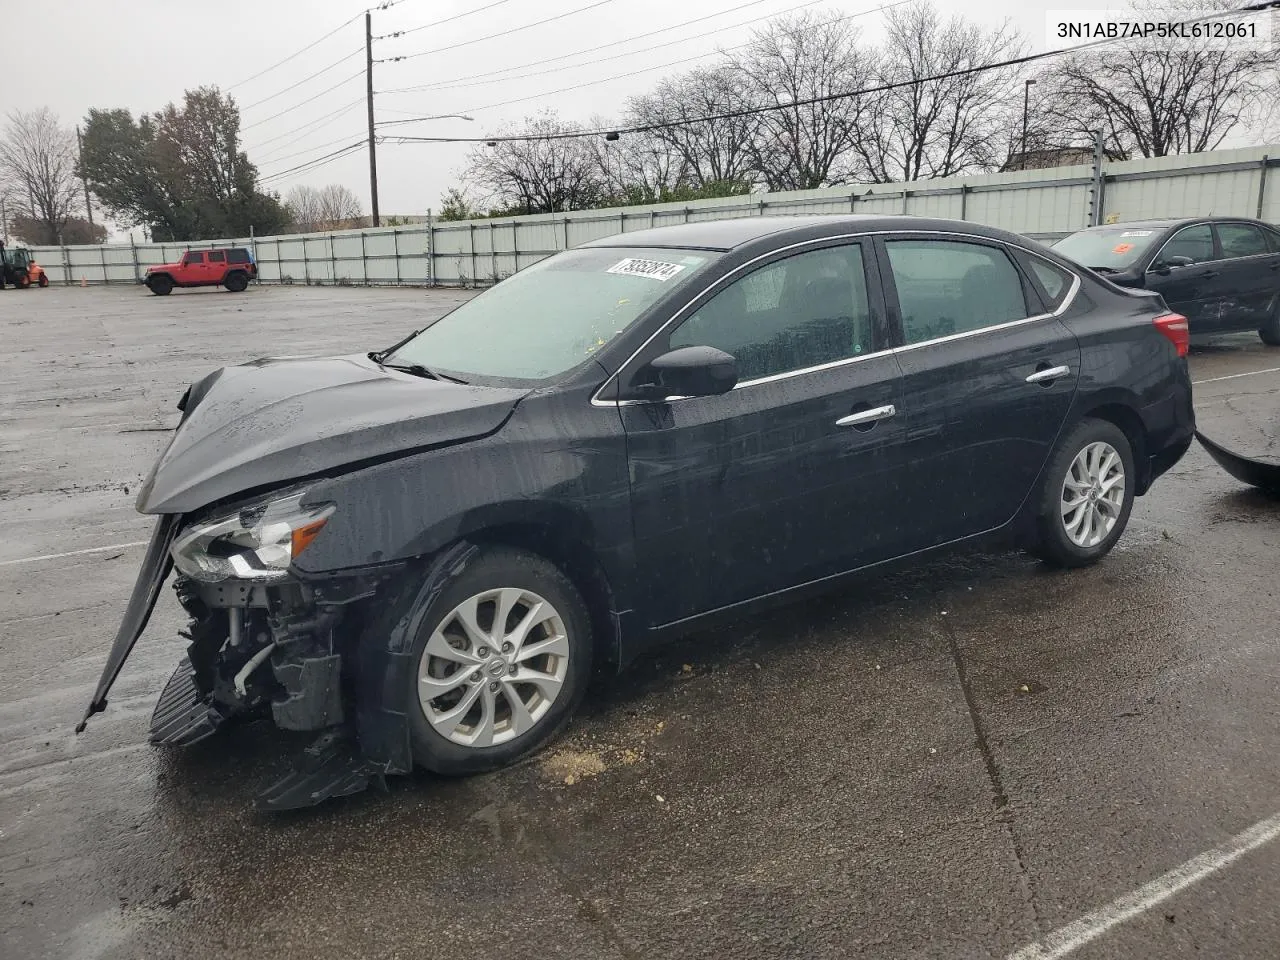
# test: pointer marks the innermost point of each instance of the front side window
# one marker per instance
(947, 287)
(551, 317)
(1194, 243)
(803, 311)
(1241, 240)
(192, 258)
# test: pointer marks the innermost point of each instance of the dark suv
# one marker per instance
(230, 267)
(422, 552)
(1221, 273)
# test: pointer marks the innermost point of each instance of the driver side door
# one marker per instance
(790, 476)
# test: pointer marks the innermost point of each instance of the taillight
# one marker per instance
(1174, 326)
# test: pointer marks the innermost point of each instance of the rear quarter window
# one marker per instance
(238, 256)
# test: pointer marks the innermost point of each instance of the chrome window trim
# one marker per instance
(729, 277)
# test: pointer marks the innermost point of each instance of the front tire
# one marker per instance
(500, 661)
(1085, 496)
(160, 286)
(44, 280)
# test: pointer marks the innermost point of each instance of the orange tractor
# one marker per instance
(19, 268)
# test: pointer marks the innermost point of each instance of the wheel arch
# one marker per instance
(1121, 413)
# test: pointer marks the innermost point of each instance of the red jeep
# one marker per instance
(231, 267)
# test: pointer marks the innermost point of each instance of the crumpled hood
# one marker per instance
(274, 420)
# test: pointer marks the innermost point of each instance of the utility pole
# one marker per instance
(88, 207)
(4, 221)
(373, 154)
(1026, 105)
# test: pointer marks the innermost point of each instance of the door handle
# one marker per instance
(1050, 373)
(1209, 274)
(866, 418)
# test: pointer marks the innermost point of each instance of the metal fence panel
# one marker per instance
(1037, 203)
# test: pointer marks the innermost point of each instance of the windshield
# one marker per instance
(1115, 247)
(548, 318)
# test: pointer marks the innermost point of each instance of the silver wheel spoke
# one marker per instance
(521, 718)
(466, 617)
(438, 646)
(1093, 494)
(557, 645)
(507, 599)
(433, 687)
(533, 616)
(482, 734)
(447, 722)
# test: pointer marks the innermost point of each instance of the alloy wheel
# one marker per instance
(1093, 494)
(493, 667)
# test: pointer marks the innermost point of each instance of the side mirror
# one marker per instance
(692, 372)
(1168, 263)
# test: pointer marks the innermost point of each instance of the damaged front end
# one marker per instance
(261, 642)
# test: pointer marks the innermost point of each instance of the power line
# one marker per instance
(310, 149)
(491, 36)
(279, 93)
(297, 53)
(810, 101)
(629, 53)
(317, 162)
(611, 43)
(436, 23)
(309, 123)
(658, 66)
(258, 123)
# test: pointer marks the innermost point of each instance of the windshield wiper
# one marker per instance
(414, 369)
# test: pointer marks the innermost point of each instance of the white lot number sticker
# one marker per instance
(653, 269)
(1137, 233)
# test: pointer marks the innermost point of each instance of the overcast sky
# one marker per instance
(141, 54)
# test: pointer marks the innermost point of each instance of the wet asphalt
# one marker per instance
(950, 761)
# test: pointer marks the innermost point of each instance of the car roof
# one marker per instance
(1165, 222)
(726, 235)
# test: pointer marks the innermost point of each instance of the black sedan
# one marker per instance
(1221, 273)
(421, 553)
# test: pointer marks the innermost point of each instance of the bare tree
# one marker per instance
(636, 167)
(710, 150)
(332, 207)
(1156, 101)
(543, 175)
(939, 128)
(38, 168)
(794, 59)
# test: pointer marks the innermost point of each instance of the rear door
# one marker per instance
(989, 374)
(1248, 276)
(792, 475)
(1192, 290)
(216, 266)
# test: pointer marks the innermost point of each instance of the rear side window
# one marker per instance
(1053, 280)
(1241, 240)
(192, 258)
(1195, 243)
(217, 256)
(947, 287)
(238, 255)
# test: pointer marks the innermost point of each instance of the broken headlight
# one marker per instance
(257, 543)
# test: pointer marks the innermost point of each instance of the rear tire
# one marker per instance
(1270, 331)
(23, 281)
(1085, 495)
(160, 286)
(236, 282)
(451, 664)
(44, 280)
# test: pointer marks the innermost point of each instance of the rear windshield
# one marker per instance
(552, 316)
(1115, 247)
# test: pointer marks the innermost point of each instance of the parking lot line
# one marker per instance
(74, 553)
(1251, 373)
(1075, 935)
